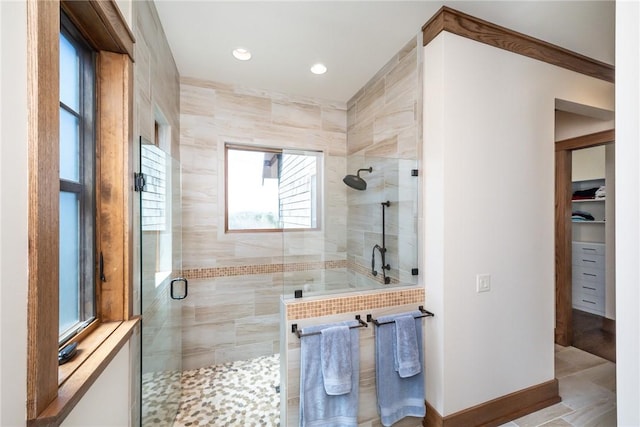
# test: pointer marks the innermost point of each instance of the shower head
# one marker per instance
(355, 182)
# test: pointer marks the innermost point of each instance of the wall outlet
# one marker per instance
(483, 283)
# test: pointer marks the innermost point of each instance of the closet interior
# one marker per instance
(592, 250)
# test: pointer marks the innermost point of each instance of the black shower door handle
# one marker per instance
(186, 287)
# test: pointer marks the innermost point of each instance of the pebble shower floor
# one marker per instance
(243, 394)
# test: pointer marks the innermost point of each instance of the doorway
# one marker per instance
(585, 276)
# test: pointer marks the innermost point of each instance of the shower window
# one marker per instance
(272, 189)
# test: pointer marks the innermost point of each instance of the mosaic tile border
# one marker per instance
(353, 303)
(242, 270)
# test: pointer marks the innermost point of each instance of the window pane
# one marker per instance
(273, 189)
(69, 261)
(298, 191)
(153, 164)
(69, 146)
(69, 74)
(252, 192)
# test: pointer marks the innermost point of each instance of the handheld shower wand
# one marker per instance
(384, 266)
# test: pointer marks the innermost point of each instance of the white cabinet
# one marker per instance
(588, 277)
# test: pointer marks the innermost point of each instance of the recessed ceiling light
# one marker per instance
(318, 69)
(242, 54)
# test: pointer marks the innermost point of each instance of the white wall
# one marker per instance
(571, 124)
(628, 211)
(106, 403)
(13, 209)
(588, 163)
(489, 208)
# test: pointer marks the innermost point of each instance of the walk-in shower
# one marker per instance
(355, 182)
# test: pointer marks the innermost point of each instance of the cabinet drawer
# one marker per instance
(587, 248)
(589, 303)
(593, 275)
(588, 288)
(587, 260)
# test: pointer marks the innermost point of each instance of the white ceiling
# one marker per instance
(354, 39)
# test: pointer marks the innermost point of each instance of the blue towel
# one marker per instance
(407, 355)
(317, 408)
(397, 397)
(335, 354)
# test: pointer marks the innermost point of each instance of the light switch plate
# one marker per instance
(483, 283)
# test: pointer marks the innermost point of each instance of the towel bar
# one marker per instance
(424, 312)
(295, 330)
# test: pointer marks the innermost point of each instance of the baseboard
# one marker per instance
(609, 325)
(432, 417)
(498, 411)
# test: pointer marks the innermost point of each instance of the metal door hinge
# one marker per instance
(139, 181)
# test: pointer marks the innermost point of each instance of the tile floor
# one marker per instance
(162, 394)
(588, 391)
(244, 394)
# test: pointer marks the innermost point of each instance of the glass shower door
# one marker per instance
(162, 287)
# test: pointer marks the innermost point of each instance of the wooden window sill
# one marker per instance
(75, 377)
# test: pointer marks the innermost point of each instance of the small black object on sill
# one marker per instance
(67, 352)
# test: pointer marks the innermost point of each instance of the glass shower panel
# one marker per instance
(382, 223)
(346, 252)
(407, 222)
(161, 265)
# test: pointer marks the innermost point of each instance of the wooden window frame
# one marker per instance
(53, 391)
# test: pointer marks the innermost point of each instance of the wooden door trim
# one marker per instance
(564, 314)
(587, 141)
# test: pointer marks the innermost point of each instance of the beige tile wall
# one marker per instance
(338, 309)
(385, 117)
(384, 131)
(232, 310)
(213, 114)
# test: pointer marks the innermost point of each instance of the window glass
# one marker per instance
(297, 191)
(153, 164)
(69, 261)
(77, 181)
(271, 189)
(69, 74)
(252, 190)
(69, 146)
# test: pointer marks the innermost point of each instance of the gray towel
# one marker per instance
(317, 408)
(335, 354)
(407, 356)
(397, 397)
